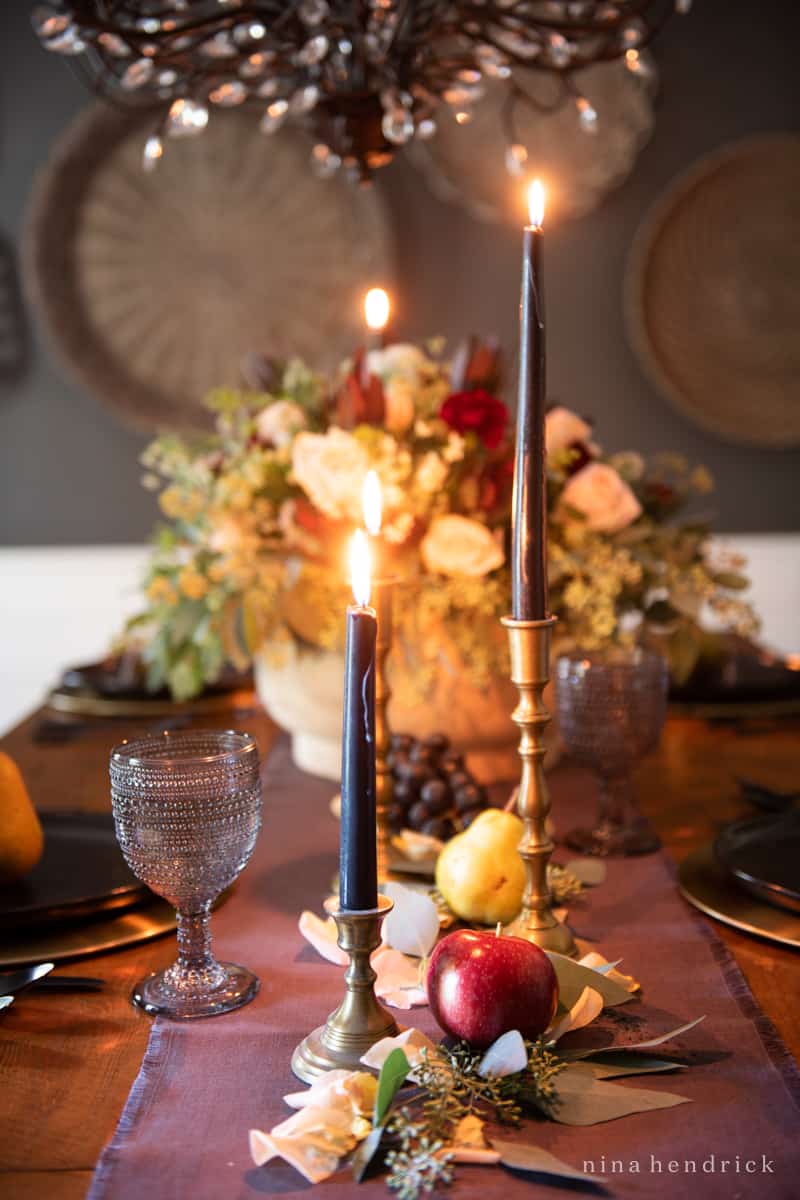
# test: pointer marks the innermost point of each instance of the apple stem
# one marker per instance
(498, 932)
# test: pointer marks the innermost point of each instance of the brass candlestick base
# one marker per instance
(530, 670)
(360, 1020)
(382, 599)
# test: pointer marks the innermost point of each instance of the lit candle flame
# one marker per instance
(372, 503)
(376, 309)
(360, 567)
(536, 203)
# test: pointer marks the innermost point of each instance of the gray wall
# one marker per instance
(68, 469)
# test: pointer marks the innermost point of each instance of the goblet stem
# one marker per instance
(616, 801)
(194, 940)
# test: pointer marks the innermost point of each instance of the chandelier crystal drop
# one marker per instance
(365, 78)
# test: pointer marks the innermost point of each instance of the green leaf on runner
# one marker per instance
(585, 1100)
(573, 978)
(392, 1077)
(521, 1157)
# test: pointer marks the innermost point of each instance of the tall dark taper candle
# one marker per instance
(529, 528)
(358, 866)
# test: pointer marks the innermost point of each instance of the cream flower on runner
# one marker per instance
(330, 468)
(603, 497)
(456, 545)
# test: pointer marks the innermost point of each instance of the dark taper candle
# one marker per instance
(529, 527)
(358, 866)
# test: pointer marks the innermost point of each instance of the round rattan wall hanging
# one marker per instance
(153, 285)
(713, 292)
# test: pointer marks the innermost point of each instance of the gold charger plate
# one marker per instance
(58, 943)
(705, 884)
(104, 706)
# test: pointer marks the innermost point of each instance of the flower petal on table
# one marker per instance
(311, 1140)
(411, 1041)
(412, 926)
(596, 962)
(586, 1008)
(322, 936)
(348, 1090)
(506, 1056)
(398, 978)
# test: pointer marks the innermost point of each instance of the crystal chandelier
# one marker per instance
(367, 77)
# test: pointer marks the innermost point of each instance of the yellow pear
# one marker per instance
(479, 872)
(21, 837)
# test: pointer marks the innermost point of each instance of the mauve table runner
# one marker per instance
(202, 1085)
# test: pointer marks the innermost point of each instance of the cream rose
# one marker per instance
(330, 468)
(279, 422)
(398, 393)
(603, 496)
(456, 545)
(400, 359)
(431, 473)
(562, 428)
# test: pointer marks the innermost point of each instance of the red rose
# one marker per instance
(476, 412)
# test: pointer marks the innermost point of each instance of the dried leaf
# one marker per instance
(412, 926)
(586, 1008)
(366, 1152)
(522, 1157)
(586, 1100)
(573, 978)
(506, 1056)
(596, 962)
(616, 1066)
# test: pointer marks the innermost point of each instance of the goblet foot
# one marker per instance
(183, 996)
(637, 837)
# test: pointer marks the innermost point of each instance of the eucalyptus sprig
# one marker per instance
(450, 1088)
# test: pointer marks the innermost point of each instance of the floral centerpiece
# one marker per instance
(251, 564)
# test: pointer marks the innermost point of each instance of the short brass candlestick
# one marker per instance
(382, 599)
(360, 1020)
(530, 670)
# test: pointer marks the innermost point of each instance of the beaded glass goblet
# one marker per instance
(611, 709)
(187, 810)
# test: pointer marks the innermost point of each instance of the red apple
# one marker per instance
(480, 986)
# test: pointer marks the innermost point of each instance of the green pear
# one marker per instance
(480, 873)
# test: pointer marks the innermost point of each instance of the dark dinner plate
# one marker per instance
(81, 873)
(763, 856)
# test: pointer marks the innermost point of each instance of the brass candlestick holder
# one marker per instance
(382, 599)
(360, 1020)
(530, 670)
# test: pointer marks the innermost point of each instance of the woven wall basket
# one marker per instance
(712, 292)
(153, 286)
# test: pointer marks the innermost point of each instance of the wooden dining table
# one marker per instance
(67, 1060)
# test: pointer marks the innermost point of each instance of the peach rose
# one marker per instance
(456, 545)
(562, 428)
(330, 468)
(603, 496)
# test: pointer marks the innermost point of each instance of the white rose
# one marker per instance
(562, 428)
(456, 545)
(330, 468)
(398, 393)
(279, 422)
(400, 359)
(603, 497)
(431, 473)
